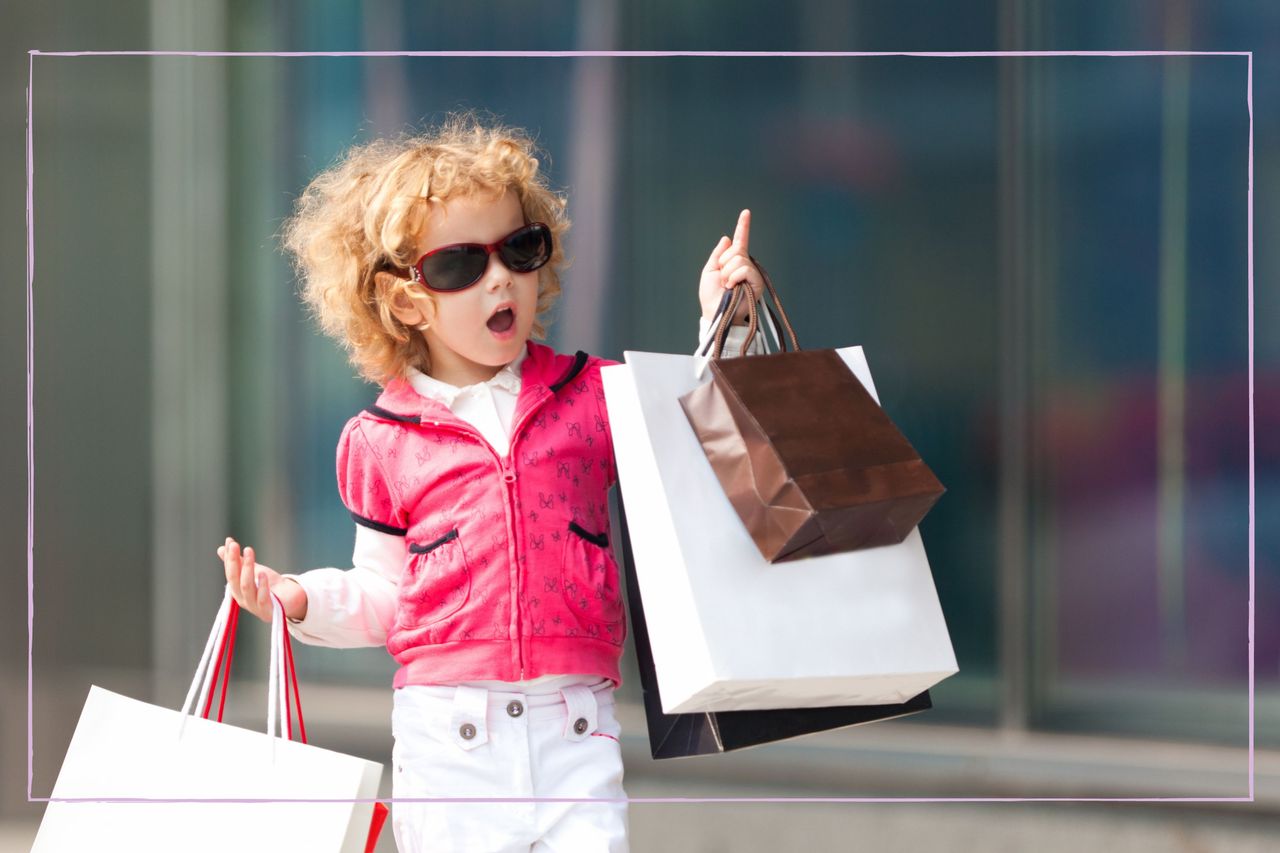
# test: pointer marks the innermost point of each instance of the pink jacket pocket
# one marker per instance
(589, 578)
(437, 581)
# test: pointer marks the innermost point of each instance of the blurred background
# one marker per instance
(1045, 258)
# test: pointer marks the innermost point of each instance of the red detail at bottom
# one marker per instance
(380, 812)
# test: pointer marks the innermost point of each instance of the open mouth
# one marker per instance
(502, 320)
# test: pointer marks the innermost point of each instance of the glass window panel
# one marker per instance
(1139, 504)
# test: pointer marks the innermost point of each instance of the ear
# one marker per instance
(400, 294)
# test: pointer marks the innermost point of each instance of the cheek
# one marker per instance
(529, 294)
(459, 310)
(455, 324)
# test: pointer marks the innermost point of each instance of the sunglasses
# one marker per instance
(457, 267)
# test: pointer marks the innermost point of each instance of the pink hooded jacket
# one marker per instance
(509, 574)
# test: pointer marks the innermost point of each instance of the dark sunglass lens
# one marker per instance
(454, 269)
(527, 249)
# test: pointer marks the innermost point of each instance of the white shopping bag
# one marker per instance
(124, 749)
(729, 630)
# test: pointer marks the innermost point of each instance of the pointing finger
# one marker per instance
(743, 232)
(741, 236)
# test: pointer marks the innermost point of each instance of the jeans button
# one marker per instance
(514, 708)
(467, 731)
(581, 725)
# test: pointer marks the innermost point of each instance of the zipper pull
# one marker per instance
(508, 473)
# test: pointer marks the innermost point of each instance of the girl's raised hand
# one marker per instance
(253, 583)
(729, 264)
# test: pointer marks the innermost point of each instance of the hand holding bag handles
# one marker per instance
(714, 341)
(282, 673)
(729, 307)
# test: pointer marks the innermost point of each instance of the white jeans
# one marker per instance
(471, 742)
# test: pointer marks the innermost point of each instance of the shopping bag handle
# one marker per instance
(282, 681)
(282, 675)
(222, 674)
(729, 306)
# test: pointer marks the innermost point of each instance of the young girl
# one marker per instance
(477, 483)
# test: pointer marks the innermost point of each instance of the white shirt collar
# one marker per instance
(508, 379)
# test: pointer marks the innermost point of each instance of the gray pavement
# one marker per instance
(932, 827)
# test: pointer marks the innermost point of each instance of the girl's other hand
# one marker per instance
(728, 265)
(253, 583)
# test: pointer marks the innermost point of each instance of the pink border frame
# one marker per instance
(616, 53)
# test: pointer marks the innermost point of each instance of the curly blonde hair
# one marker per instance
(355, 227)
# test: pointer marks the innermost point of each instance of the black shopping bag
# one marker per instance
(706, 733)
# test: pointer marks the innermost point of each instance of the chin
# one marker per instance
(506, 351)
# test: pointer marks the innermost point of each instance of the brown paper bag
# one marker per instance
(808, 459)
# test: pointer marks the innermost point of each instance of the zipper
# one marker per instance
(509, 477)
(507, 468)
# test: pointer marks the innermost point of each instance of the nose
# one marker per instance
(496, 273)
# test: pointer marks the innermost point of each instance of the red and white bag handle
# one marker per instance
(215, 667)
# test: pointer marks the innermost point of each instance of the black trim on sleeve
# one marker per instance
(381, 528)
(600, 539)
(579, 362)
(392, 416)
(415, 548)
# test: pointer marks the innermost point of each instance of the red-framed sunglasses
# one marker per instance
(458, 266)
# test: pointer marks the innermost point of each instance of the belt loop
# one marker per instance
(580, 712)
(469, 724)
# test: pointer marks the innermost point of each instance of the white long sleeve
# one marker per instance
(353, 607)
